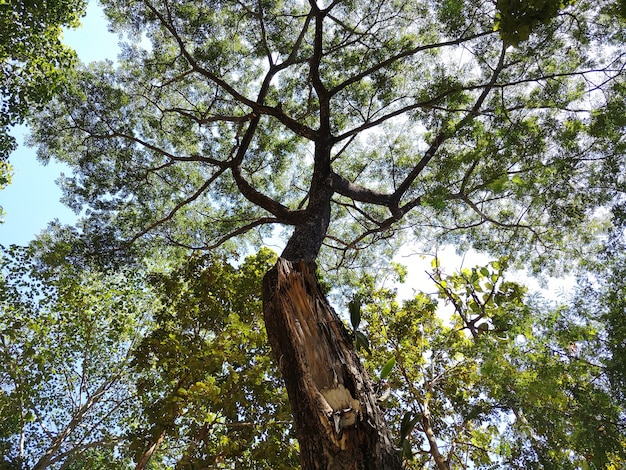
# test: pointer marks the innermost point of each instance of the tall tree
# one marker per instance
(348, 122)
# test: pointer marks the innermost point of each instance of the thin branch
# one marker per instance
(256, 106)
(444, 134)
(178, 206)
(402, 55)
(240, 231)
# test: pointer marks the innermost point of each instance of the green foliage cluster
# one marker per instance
(207, 382)
(33, 60)
(5, 179)
(516, 19)
(97, 365)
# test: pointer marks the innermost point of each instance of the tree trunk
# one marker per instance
(337, 419)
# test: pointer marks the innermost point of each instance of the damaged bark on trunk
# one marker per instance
(337, 419)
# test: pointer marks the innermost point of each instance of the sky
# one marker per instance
(32, 200)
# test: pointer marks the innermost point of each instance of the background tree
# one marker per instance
(66, 334)
(349, 123)
(33, 60)
(508, 382)
(210, 396)
(100, 368)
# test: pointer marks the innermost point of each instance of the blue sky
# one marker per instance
(32, 200)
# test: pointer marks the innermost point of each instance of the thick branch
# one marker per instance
(358, 193)
(253, 195)
(314, 71)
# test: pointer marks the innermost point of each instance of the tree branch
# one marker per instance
(178, 206)
(445, 134)
(358, 193)
(240, 231)
(402, 55)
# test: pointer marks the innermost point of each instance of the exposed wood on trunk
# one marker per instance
(145, 458)
(338, 422)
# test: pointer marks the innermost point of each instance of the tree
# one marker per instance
(210, 396)
(66, 334)
(507, 382)
(351, 123)
(159, 364)
(33, 60)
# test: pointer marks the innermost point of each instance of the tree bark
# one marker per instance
(142, 462)
(337, 419)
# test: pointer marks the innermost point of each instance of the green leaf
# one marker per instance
(355, 313)
(407, 451)
(386, 370)
(407, 424)
(362, 342)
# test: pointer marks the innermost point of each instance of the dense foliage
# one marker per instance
(421, 119)
(103, 370)
(33, 60)
(506, 382)
(98, 366)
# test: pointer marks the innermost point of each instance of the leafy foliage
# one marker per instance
(528, 390)
(352, 124)
(516, 19)
(213, 131)
(65, 339)
(178, 360)
(206, 380)
(95, 367)
(5, 179)
(33, 61)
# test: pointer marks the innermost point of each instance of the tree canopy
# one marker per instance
(427, 121)
(349, 127)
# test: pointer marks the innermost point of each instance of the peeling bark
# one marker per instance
(337, 419)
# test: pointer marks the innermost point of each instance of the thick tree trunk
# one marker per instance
(337, 419)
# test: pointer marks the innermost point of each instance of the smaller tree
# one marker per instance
(209, 395)
(66, 332)
(507, 382)
(151, 364)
